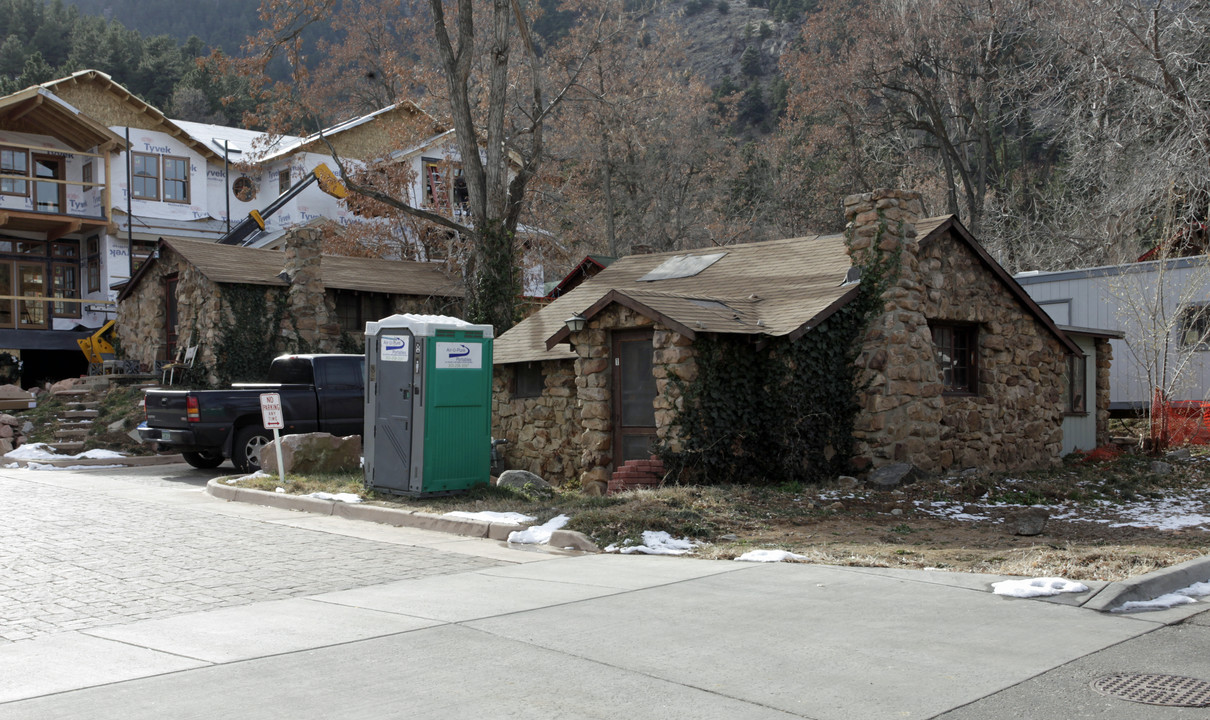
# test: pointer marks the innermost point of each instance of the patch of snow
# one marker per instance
(338, 497)
(952, 511)
(241, 478)
(1163, 602)
(515, 518)
(538, 534)
(769, 556)
(1171, 513)
(46, 466)
(656, 543)
(1037, 587)
(280, 489)
(42, 451)
(1184, 596)
(12, 465)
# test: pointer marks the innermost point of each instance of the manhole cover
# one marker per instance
(1155, 689)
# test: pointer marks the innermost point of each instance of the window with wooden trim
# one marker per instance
(176, 179)
(530, 381)
(65, 283)
(93, 248)
(1193, 331)
(14, 164)
(283, 181)
(354, 309)
(444, 185)
(1077, 385)
(86, 175)
(145, 183)
(956, 348)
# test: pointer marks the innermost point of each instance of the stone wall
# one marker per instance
(672, 354)
(543, 432)
(1104, 352)
(310, 323)
(1014, 419)
(142, 316)
(311, 313)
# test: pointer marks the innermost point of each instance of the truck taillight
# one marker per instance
(191, 412)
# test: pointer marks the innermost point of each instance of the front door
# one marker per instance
(49, 197)
(633, 397)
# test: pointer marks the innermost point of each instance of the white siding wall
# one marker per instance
(1080, 431)
(1142, 301)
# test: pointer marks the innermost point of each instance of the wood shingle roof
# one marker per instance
(776, 288)
(252, 266)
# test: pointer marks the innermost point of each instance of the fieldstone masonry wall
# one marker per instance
(312, 315)
(142, 315)
(1104, 352)
(1015, 418)
(543, 432)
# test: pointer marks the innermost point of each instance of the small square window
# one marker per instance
(1194, 327)
(956, 349)
(530, 381)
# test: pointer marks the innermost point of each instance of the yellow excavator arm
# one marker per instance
(98, 347)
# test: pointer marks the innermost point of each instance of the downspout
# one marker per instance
(129, 211)
(227, 182)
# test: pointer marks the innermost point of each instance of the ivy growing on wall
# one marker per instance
(251, 318)
(778, 411)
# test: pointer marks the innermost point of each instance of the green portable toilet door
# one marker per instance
(458, 404)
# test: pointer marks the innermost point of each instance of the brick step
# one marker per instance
(67, 448)
(71, 393)
(78, 414)
(83, 425)
(71, 433)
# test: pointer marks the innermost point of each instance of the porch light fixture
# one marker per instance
(575, 323)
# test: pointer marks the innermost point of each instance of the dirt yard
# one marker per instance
(1106, 521)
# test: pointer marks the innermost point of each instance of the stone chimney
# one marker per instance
(901, 402)
(865, 213)
(314, 328)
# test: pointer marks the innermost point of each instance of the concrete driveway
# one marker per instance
(472, 628)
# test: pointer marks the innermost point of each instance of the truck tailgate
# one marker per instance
(166, 408)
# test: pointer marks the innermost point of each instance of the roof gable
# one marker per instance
(108, 102)
(38, 111)
(930, 229)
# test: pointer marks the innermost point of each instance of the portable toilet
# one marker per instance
(428, 405)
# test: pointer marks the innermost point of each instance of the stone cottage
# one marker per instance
(176, 299)
(963, 369)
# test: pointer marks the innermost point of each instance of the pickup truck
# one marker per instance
(319, 393)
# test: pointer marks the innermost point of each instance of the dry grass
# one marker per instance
(853, 525)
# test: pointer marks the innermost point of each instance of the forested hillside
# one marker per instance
(223, 24)
(41, 41)
(1062, 132)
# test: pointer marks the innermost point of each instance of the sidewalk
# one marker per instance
(600, 636)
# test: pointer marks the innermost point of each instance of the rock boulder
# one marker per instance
(314, 453)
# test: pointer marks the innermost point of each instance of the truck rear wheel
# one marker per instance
(204, 459)
(245, 451)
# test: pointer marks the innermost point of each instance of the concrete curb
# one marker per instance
(129, 461)
(1151, 585)
(365, 513)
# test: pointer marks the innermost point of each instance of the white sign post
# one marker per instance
(272, 418)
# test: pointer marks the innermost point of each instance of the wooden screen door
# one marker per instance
(633, 396)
